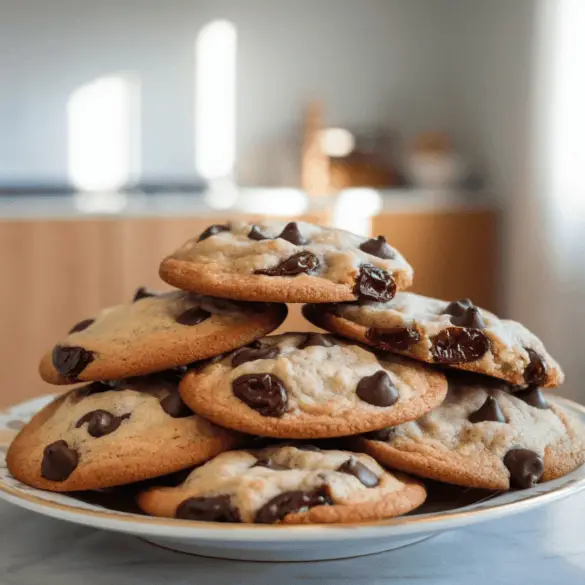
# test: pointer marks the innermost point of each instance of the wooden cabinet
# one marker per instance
(57, 272)
(455, 254)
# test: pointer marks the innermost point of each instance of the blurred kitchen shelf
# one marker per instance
(278, 202)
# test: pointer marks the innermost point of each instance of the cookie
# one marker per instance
(299, 385)
(483, 437)
(293, 263)
(287, 485)
(102, 435)
(156, 332)
(457, 335)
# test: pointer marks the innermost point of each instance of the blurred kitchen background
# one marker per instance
(453, 127)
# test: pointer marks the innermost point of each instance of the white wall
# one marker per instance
(373, 62)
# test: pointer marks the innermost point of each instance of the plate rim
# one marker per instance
(175, 528)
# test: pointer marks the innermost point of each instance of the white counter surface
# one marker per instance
(543, 547)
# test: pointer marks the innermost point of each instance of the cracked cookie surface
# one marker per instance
(457, 335)
(300, 385)
(287, 262)
(289, 485)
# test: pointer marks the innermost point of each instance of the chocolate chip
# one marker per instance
(264, 393)
(97, 388)
(380, 435)
(81, 326)
(212, 230)
(394, 338)
(251, 354)
(532, 396)
(70, 361)
(536, 372)
(525, 467)
(316, 339)
(192, 316)
(457, 308)
(174, 406)
(489, 411)
(215, 509)
(456, 346)
(289, 502)
(354, 467)
(471, 317)
(301, 263)
(256, 234)
(291, 233)
(217, 306)
(377, 389)
(101, 422)
(59, 461)
(374, 284)
(378, 247)
(144, 293)
(270, 464)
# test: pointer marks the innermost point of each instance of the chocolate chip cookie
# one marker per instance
(457, 335)
(287, 262)
(300, 385)
(287, 485)
(484, 437)
(107, 434)
(156, 332)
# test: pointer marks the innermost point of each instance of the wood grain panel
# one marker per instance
(50, 280)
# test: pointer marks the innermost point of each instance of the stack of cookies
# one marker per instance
(298, 427)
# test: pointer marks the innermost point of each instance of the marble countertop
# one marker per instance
(276, 202)
(538, 547)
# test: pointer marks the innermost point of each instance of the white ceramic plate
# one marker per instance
(450, 508)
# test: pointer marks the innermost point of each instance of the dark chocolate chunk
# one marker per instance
(316, 339)
(457, 308)
(144, 293)
(101, 422)
(217, 306)
(394, 338)
(366, 476)
(489, 411)
(212, 230)
(291, 233)
(59, 461)
(471, 317)
(70, 361)
(214, 509)
(81, 326)
(97, 388)
(377, 389)
(290, 502)
(380, 435)
(374, 284)
(301, 263)
(174, 406)
(256, 234)
(525, 467)
(533, 396)
(251, 354)
(264, 393)
(270, 464)
(192, 316)
(378, 247)
(456, 346)
(536, 372)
